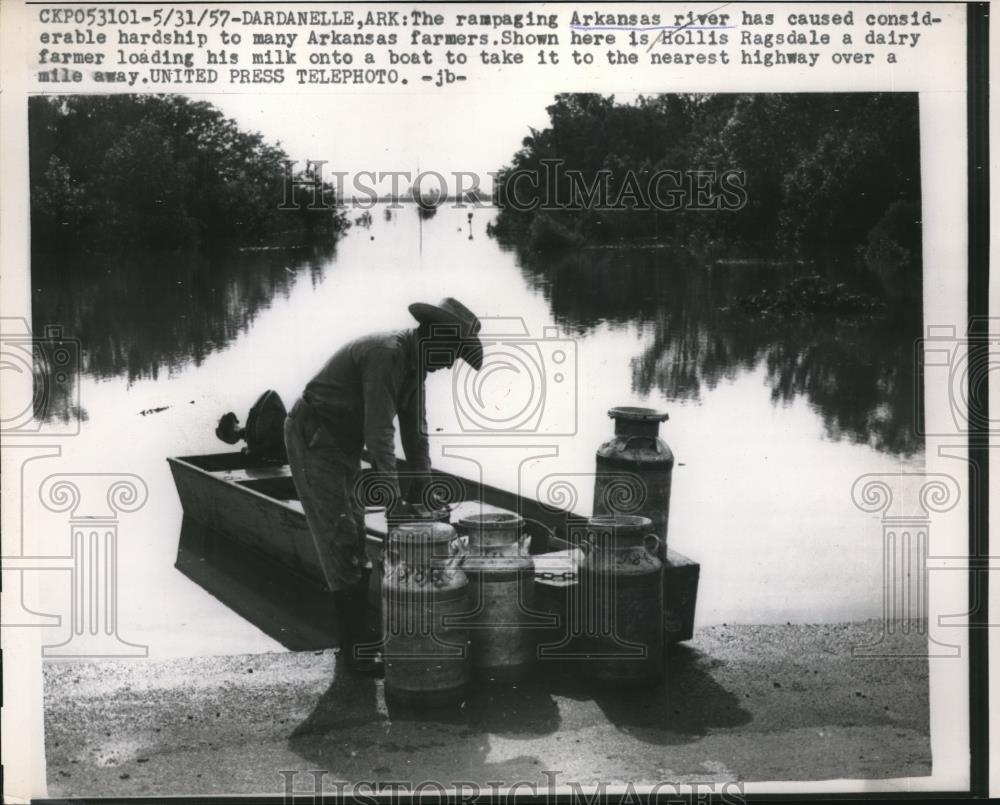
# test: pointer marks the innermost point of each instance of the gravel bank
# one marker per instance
(739, 703)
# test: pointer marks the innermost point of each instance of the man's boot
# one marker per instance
(355, 636)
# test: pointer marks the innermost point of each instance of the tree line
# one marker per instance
(820, 171)
(158, 172)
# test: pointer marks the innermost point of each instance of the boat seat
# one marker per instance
(253, 474)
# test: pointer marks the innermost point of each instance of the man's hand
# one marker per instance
(418, 483)
(402, 509)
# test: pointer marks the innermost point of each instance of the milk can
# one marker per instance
(634, 469)
(622, 600)
(417, 514)
(394, 519)
(423, 590)
(501, 596)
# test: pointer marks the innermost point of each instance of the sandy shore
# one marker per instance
(739, 703)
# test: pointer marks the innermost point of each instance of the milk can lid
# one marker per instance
(636, 413)
(425, 532)
(620, 523)
(489, 521)
(418, 514)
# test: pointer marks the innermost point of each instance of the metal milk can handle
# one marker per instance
(523, 539)
(526, 537)
(457, 553)
(656, 543)
(390, 559)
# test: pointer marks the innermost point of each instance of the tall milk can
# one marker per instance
(634, 468)
(424, 592)
(621, 600)
(501, 596)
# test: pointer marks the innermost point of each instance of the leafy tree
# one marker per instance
(821, 171)
(157, 172)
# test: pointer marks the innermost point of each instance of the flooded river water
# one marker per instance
(771, 421)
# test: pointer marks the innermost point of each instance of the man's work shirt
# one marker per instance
(361, 388)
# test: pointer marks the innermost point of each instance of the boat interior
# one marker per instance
(282, 602)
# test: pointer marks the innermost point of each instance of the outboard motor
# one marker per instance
(264, 432)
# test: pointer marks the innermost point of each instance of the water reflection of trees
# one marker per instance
(858, 375)
(140, 316)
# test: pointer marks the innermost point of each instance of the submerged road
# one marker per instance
(739, 703)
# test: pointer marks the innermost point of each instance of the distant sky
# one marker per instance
(445, 133)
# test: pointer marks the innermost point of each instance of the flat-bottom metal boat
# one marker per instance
(245, 540)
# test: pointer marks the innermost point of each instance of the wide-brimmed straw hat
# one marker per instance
(451, 312)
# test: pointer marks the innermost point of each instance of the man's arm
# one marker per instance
(379, 383)
(413, 432)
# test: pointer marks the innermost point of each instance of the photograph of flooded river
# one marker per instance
(771, 424)
(779, 341)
